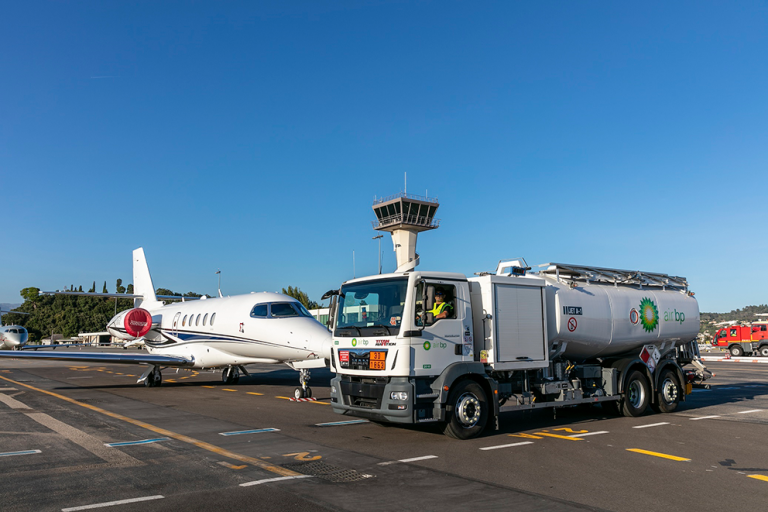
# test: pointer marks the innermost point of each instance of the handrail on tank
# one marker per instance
(615, 276)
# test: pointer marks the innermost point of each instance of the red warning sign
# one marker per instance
(344, 356)
(634, 316)
(572, 324)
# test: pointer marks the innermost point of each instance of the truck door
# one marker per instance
(441, 312)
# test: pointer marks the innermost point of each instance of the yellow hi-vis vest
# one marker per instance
(439, 308)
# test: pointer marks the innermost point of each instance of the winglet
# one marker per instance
(142, 282)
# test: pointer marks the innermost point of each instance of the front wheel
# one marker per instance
(763, 351)
(468, 410)
(736, 351)
(636, 395)
(668, 394)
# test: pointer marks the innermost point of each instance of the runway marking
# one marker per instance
(570, 431)
(232, 466)
(232, 390)
(704, 418)
(336, 423)
(253, 393)
(256, 431)
(414, 459)
(656, 454)
(526, 436)
(129, 443)
(112, 503)
(259, 482)
(25, 452)
(759, 477)
(179, 437)
(284, 398)
(170, 380)
(558, 436)
(652, 425)
(506, 445)
(303, 456)
(751, 410)
(209, 387)
(319, 402)
(590, 434)
(13, 403)
(7, 389)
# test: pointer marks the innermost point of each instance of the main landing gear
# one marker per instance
(304, 391)
(152, 377)
(231, 374)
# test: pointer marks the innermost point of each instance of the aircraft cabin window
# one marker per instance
(282, 310)
(213, 317)
(259, 311)
(184, 322)
(205, 319)
(197, 321)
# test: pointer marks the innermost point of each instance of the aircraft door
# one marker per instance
(175, 323)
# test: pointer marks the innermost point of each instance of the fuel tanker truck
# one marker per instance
(418, 347)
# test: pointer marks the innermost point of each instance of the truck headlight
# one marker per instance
(399, 395)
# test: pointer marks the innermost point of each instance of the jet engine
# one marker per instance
(130, 324)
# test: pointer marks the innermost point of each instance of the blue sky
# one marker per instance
(253, 136)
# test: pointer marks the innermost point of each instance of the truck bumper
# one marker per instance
(372, 398)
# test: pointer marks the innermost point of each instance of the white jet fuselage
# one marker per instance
(221, 332)
(12, 337)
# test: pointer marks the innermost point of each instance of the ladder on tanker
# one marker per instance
(567, 272)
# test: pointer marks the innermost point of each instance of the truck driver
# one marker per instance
(441, 309)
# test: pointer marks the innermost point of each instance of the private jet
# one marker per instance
(12, 337)
(226, 333)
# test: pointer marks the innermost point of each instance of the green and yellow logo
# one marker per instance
(649, 314)
(354, 342)
(427, 345)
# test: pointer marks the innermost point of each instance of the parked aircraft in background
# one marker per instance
(12, 337)
(224, 332)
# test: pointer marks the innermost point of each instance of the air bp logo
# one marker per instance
(649, 314)
(354, 342)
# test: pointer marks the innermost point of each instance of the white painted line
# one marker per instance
(25, 452)
(257, 431)
(704, 418)
(129, 443)
(589, 434)
(506, 445)
(7, 389)
(112, 503)
(735, 359)
(751, 410)
(280, 479)
(334, 423)
(652, 425)
(407, 460)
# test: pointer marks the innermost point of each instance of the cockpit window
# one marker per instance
(259, 311)
(302, 310)
(283, 309)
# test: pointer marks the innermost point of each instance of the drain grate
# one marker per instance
(327, 471)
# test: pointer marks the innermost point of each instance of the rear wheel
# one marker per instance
(668, 394)
(467, 409)
(636, 395)
(763, 351)
(736, 351)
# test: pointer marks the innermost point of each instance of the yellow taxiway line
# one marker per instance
(656, 454)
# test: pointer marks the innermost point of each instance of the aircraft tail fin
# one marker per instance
(142, 282)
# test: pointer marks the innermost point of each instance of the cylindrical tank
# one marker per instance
(601, 320)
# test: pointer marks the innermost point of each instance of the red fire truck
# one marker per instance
(742, 340)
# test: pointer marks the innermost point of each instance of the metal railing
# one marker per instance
(426, 199)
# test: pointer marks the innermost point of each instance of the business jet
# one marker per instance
(13, 337)
(224, 333)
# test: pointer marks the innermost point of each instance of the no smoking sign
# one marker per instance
(572, 324)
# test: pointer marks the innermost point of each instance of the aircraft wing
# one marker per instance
(100, 357)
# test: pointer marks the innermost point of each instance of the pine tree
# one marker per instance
(105, 288)
(80, 289)
(93, 288)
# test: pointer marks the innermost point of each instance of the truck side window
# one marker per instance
(440, 303)
(733, 332)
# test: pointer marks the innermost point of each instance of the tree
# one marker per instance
(301, 297)
(105, 288)
(93, 288)
(119, 288)
(80, 289)
(30, 294)
(130, 289)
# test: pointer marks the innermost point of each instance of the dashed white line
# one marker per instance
(652, 425)
(749, 411)
(506, 445)
(25, 452)
(704, 418)
(589, 434)
(414, 459)
(279, 479)
(112, 503)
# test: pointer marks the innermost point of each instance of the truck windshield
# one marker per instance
(371, 308)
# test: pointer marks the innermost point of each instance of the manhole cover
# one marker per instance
(327, 471)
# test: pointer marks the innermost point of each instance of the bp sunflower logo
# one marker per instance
(649, 314)
(427, 345)
(354, 342)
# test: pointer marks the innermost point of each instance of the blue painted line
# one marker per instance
(352, 422)
(26, 452)
(257, 431)
(145, 441)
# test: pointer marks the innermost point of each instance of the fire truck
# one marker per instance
(742, 340)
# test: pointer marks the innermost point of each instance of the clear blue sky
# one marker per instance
(253, 136)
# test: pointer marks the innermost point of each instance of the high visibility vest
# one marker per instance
(439, 308)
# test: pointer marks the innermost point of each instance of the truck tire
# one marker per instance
(736, 351)
(637, 393)
(467, 410)
(668, 394)
(763, 350)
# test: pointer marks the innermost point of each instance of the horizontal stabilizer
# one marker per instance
(93, 294)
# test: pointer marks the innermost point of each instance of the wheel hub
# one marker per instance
(636, 394)
(669, 391)
(468, 410)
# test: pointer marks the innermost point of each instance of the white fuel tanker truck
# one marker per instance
(511, 340)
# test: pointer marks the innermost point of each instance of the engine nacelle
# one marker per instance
(130, 324)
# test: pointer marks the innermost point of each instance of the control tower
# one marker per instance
(405, 216)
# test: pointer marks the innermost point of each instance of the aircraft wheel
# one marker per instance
(308, 392)
(298, 393)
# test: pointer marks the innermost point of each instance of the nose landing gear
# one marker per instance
(304, 391)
